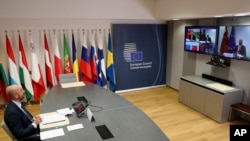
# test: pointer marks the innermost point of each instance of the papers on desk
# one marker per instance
(53, 118)
(74, 127)
(72, 84)
(55, 124)
(51, 133)
(65, 111)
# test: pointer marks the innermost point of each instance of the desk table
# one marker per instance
(125, 121)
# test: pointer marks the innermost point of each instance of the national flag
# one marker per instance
(57, 60)
(36, 75)
(110, 65)
(101, 63)
(48, 66)
(67, 64)
(93, 59)
(232, 42)
(224, 42)
(3, 83)
(13, 72)
(74, 58)
(85, 68)
(24, 72)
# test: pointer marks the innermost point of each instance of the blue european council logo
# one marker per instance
(136, 56)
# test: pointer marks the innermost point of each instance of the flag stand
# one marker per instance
(28, 103)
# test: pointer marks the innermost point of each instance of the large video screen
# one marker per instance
(201, 39)
(234, 42)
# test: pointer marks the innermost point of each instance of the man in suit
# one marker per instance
(241, 49)
(20, 122)
(192, 37)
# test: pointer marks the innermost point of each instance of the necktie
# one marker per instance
(27, 113)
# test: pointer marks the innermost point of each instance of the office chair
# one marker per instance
(67, 78)
(7, 130)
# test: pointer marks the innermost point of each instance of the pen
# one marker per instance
(59, 126)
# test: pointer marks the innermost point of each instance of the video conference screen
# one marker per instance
(234, 42)
(201, 39)
(227, 41)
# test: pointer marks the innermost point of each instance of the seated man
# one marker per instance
(20, 122)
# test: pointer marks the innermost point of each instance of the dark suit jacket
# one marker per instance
(192, 37)
(242, 50)
(19, 124)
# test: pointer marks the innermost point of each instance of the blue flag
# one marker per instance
(110, 66)
(101, 64)
(231, 42)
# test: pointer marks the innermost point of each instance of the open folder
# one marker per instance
(53, 122)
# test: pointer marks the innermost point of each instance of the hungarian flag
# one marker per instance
(93, 59)
(224, 43)
(57, 60)
(101, 63)
(110, 65)
(85, 69)
(74, 57)
(48, 65)
(13, 72)
(3, 83)
(67, 65)
(36, 75)
(24, 72)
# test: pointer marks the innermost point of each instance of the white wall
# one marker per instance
(188, 9)
(78, 9)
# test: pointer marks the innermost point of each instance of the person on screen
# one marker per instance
(203, 36)
(192, 37)
(20, 122)
(208, 38)
(240, 49)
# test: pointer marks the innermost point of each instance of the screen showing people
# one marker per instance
(234, 41)
(201, 39)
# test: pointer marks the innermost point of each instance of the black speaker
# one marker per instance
(217, 79)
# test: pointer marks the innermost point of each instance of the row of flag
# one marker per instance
(89, 67)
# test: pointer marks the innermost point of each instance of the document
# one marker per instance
(72, 84)
(53, 118)
(51, 133)
(74, 127)
(55, 124)
(65, 111)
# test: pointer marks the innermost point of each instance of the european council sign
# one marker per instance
(139, 55)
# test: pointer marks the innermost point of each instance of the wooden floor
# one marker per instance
(177, 121)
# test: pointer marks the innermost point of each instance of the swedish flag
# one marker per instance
(110, 65)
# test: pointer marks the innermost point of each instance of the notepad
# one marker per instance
(51, 133)
(52, 118)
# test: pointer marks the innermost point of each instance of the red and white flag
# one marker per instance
(36, 75)
(57, 59)
(48, 65)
